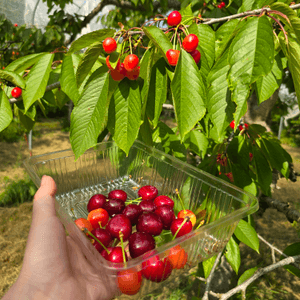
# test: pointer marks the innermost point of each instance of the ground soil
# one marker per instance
(272, 225)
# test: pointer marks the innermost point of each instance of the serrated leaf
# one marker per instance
(6, 114)
(89, 116)
(67, 79)
(145, 133)
(246, 275)
(188, 94)
(157, 91)
(233, 255)
(31, 112)
(247, 235)
(125, 114)
(87, 61)
(27, 122)
(207, 265)
(238, 151)
(13, 77)
(21, 64)
(219, 105)
(267, 85)
(206, 37)
(251, 52)
(159, 39)
(198, 143)
(90, 38)
(60, 98)
(263, 171)
(36, 81)
(223, 35)
(187, 15)
(292, 250)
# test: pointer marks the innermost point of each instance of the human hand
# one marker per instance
(54, 266)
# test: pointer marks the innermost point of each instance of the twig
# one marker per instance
(209, 278)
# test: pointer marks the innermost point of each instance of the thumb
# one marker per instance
(44, 199)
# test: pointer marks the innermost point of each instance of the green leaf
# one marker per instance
(89, 116)
(157, 91)
(36, 81)
(60, 98)
(90, 38)
(238, 151)
(31, 112)
(21, 64)
(6, 114)
(187, 15)
(219, 105)
(247, 235)
(198, 143)
(263, 171)
(224, 35)
(188, 94)
(292, 250)
(27, 122)
(207, 265)
(67, 79)
(12, 77)
(87, 61)
(206, 37)
(125, 114)
(159, 39)
(246, 275)
(232, 254)
(265, 86)
(145, 133)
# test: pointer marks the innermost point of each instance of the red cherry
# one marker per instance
(174, 18)
(16, 25)
(178, 257)
(116, 255)
(98, 215)
(16, 92)
(251, 156)
(150, 223)
(132, 212)
(103, 236)
(157, 270)
(96, 201)
(134, 74)
(84, 223)
(147, 206)
(163, 200)
(223, 4)
(229, 175)
(148, 192)
(190, 42)
(186, 228)
(129, 281)
(140, 243)
(220, 6)
(196, 56)
(118, 194)
(172, 56)
(232, 124)
(104, 252)
(116, 75)
(108, 63)
(131, 61)
(166, 214)
(109, 45)
(119, 223)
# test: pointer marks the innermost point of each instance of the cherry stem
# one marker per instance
(134, 200)
(130, 44)
(200, 224)
(186, 219)
(121, 235)
(87, 231)
(177, 192)
(185, 29)
(100, 224)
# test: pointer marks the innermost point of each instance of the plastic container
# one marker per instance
(105, 167)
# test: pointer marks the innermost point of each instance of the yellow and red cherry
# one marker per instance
(98, 217)
(131, 62)
(180, 227)
(148, 192)
(178, 257)
(83, 223)
(117, 194)
(172, 56)
(187, 213)
(166, 214)
(196, 55)
(129, 281)
(163, 200)
(190, 42)
(174, 18)
(150, 223)
(140, 243)
(96, 201)
(119, 223)
(16, 92)
(109, 45)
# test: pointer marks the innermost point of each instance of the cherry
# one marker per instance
(163, 200)
(172, 56)
(232, 124)
(116, 255)
(116, 75)
(150, 223)
(140, 243)
(114, 206)
(147, 206)
(103, 236)
(119, 223)
(132, 212)
(16, 92)
(229, 175)
(84, 223)
(219, 6)
(108, 63)
(118, 194)
(190, 42)
(222, 4)
(105, 253)
(134, 74)
(174, 18)
(196, 56)
(181, 228)
(187, 213)
(109, 45)
(241, 127)
(251, 156)
(131, 61)
(148, 192)
(157, 270)
(177, 257)
(166, 214)
(16, 25)
(129, 281)
(97, 216)
(96, 201)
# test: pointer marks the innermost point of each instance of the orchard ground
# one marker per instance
(273, 226)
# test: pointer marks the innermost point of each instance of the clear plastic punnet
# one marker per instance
(105, 167)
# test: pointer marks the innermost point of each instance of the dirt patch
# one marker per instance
(273, 226)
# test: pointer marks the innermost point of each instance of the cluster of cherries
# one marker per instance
(113, 220)
(241, 127)
(221, 5)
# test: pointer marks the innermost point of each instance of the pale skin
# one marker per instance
(54, 266)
